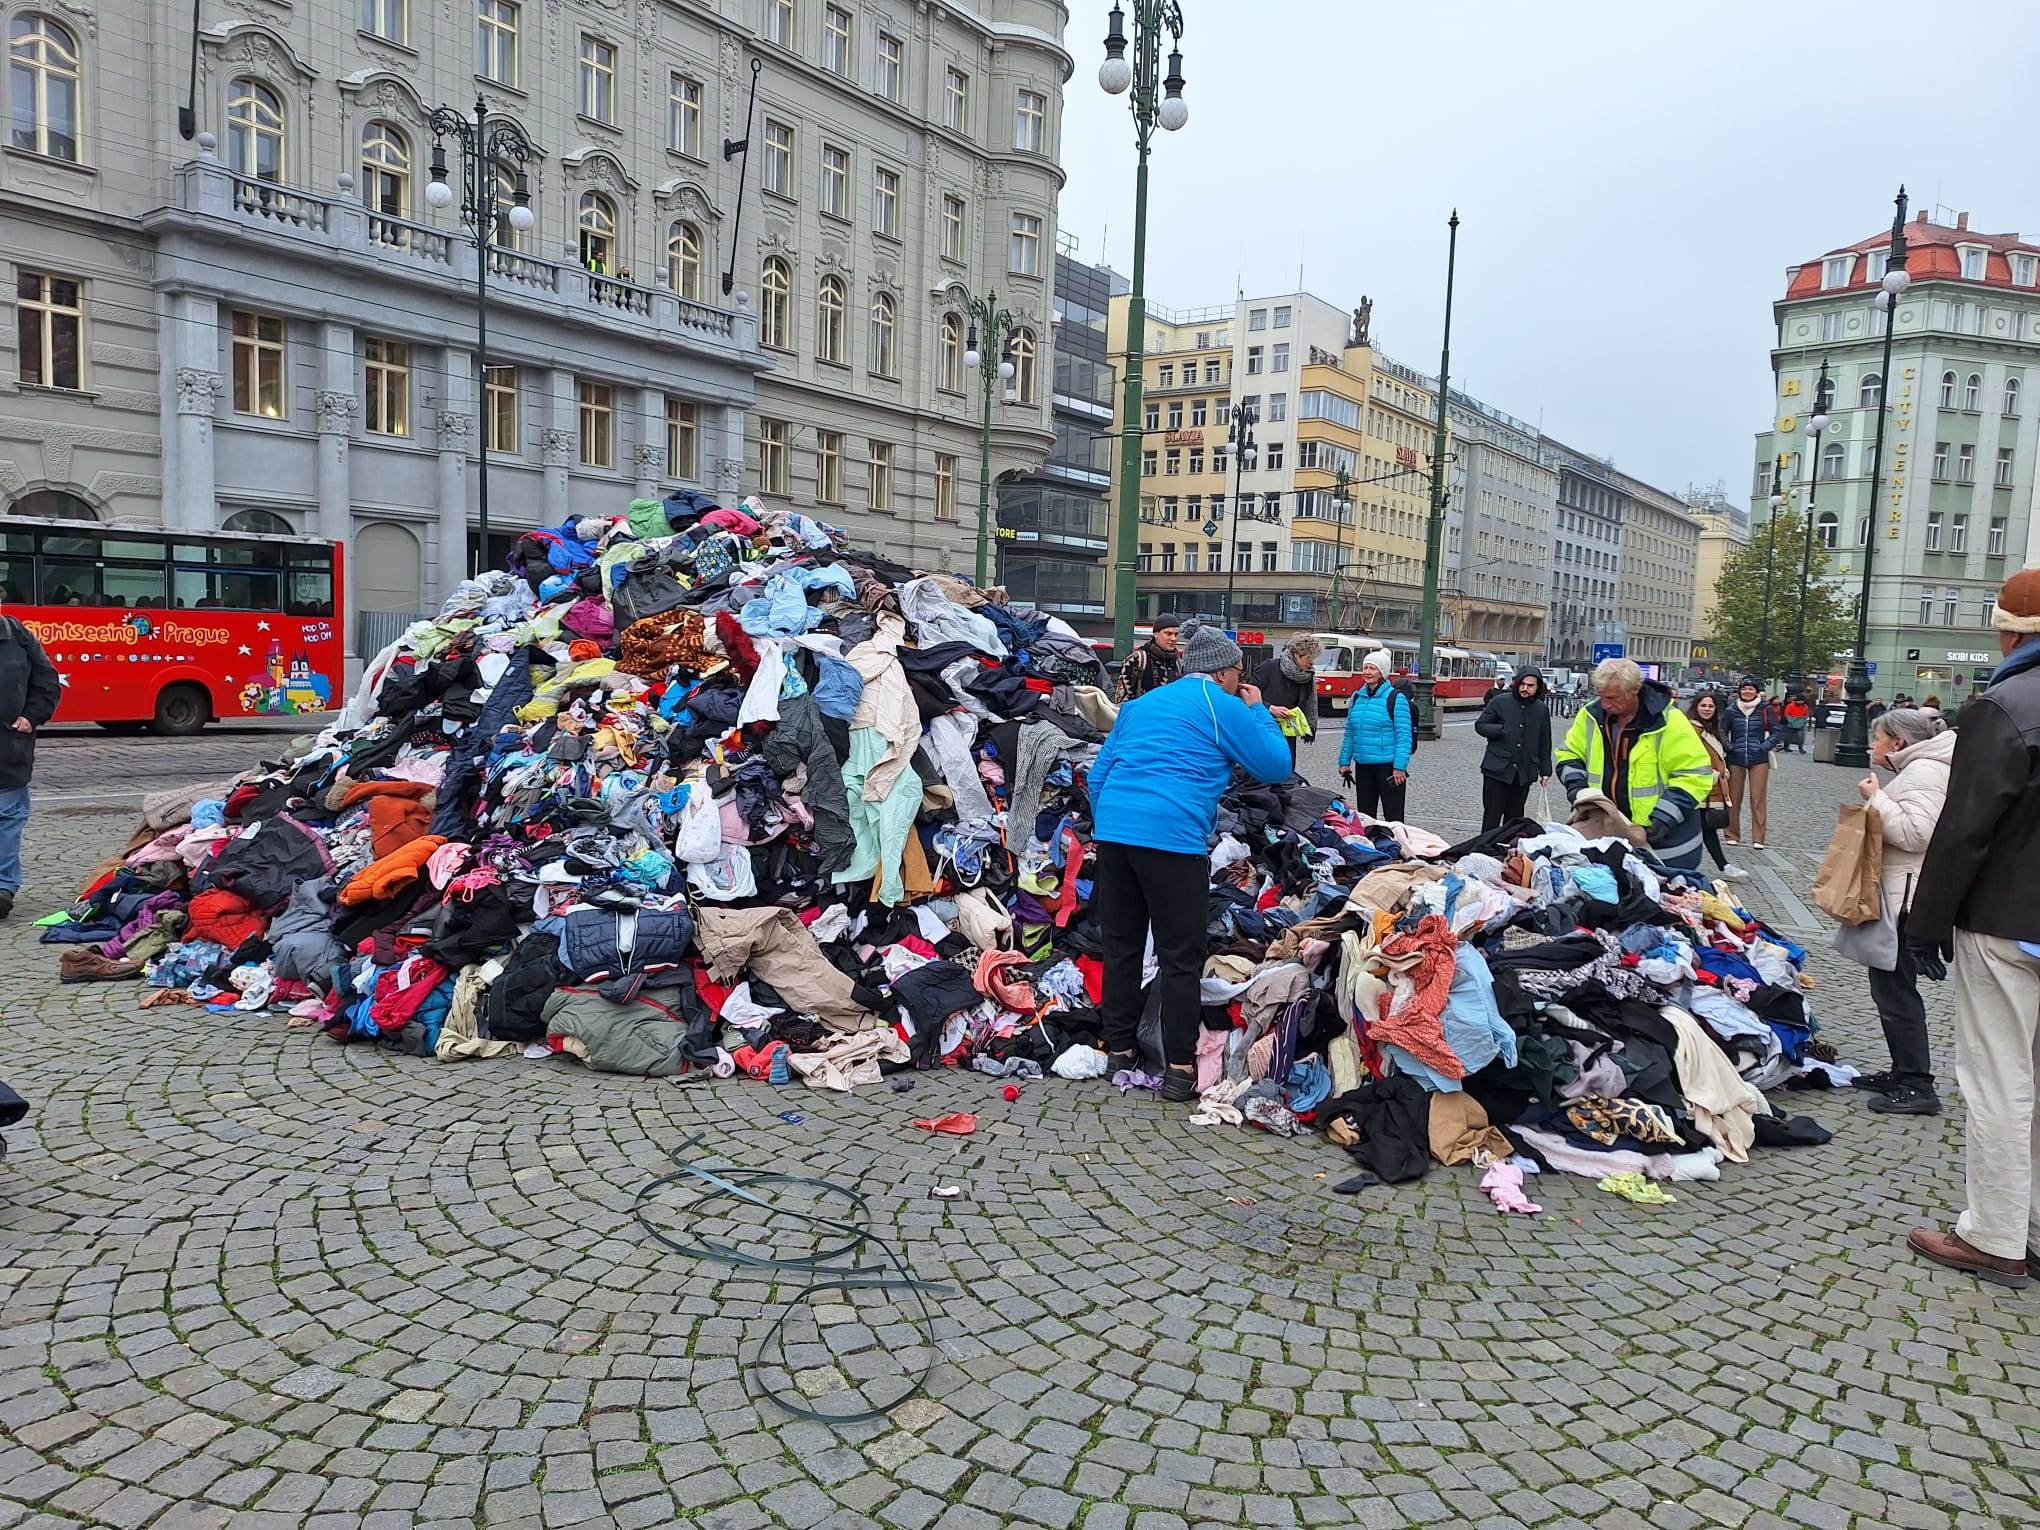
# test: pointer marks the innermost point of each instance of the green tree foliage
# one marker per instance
(1740, 604)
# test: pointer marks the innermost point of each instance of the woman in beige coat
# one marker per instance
(1918, 745)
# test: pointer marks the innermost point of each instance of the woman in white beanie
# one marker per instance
(1381, 729)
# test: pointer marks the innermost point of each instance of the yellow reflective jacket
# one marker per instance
(1664, 756)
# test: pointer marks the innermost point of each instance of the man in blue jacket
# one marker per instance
(1381, 730)
(1154, 803)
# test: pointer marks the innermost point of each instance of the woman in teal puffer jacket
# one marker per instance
(1381, 729)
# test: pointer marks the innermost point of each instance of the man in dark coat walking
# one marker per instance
(29, 691)
(1516, 722)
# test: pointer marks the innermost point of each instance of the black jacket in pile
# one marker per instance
(1978, 873)
(28, 688)
(1518, 733)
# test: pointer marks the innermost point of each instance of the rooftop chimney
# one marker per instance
(1962, 220)
(1921, 218)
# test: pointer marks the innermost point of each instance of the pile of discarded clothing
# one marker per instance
(705, 790)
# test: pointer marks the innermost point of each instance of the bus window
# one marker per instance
(310, 593)
(64, 544)
(209, 589)
(17, 581)
(131, 586)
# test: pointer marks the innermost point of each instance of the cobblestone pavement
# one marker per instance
(254, 1279)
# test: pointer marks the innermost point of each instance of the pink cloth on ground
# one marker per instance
(1210, 1057)
(1503, 1183)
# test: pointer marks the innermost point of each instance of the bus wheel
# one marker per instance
(124, 727)
(182, 710)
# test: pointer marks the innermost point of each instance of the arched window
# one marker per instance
(1947, 390)
(1827, 528)
(1023, 366)
(261, 522)
(1834, 459)
(596, 220)
(829, 319)
(683, 260)
(2011, 395)
(503, 197)
(950, 353)
(884, 324)
(1972, 392)
(53, 505)
(775, 314)
(254, 130)
(386, 170)
(42, 70)
(1870, 392)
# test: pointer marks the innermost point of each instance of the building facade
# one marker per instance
(1656, 595)
(1724, 531)
(1054, 522)
(1586, 550)
(267, 325)
(1955, 514)
(1498, 534)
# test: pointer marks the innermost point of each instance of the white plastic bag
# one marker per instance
(699, 838)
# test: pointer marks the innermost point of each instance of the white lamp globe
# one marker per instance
(521, 219)
(1896, 280)
(1817, 424)
(439, 194)
(971, 358)
(1174, 113)
(1115, 76)
(1005, 371)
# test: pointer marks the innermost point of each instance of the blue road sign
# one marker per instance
(1607, 651)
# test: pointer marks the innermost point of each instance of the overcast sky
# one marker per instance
(1632, 180)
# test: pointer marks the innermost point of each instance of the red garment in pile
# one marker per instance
(1418, 1027)
(226, 918)
(398, 812)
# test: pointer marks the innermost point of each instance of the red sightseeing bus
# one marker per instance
(177, 628)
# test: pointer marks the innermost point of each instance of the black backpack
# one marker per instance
(1409, 702)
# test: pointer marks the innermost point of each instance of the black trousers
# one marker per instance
(1710, 838)
(1501, 801)
(1138, 888)
(1904, 1015)
(1376, 794)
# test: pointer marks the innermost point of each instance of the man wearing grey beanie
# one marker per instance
(1154, 803)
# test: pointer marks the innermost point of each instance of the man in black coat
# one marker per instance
(1516, 722)
(29, 691)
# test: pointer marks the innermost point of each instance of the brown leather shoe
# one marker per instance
(1948, 1249)
(89, 964)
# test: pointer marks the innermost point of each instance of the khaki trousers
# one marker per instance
(1997, 1055)
(1751, 784)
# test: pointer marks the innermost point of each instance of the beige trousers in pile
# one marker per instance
(1997, 1056)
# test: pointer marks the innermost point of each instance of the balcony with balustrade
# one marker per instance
(342, 237)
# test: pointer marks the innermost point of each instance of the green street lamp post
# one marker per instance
(1157, 102)
(996, 324)
(1770, 569)
(1854, 748)
(1816, 425)
(1434, 531)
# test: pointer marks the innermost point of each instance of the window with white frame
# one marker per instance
(1270, 552)
(598, 424)
(1995, 546)
(1278, 406)
(952, 228)
(878, 468)
(945, 488)
(1948, 606)
(1243, 557)
(1257, 358)
(255, 130)
(1972, 392)
(683, 261)
(1279, 362)
(2011, 404)
(1834, 460)
(829, 305)
(2003, 478)
(1927, 606)
(836, 50)
(1973, 259)
(1933, 531)
(835, 181)
(1965, 463)
(949, 354)
(43, 75)
(1941, 460)
(779, 22)
(387, 376)
(1831, 324)
(775, 312)
(1282, 316)
(1958, 533)
(1025, 256)
(1835, 271)
(682, 439)
(956, 100)
(1030, 121)
(683, 115)
(258, 365)
(885, 202)
(2025, 270)
(1879, 260)
(1870, 392)
(1947, 390)
(1827, 528)
(1257, 319)
(1147, 464)
(1211, 370)
(595, 220)
(387, 19)
(883, 356)
(499, 412)
(892, 67)
(385, 178)
(497, 24)
(829, 466)
(598, 79)
(778, 165)
(772, 436)
(1168, 565)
